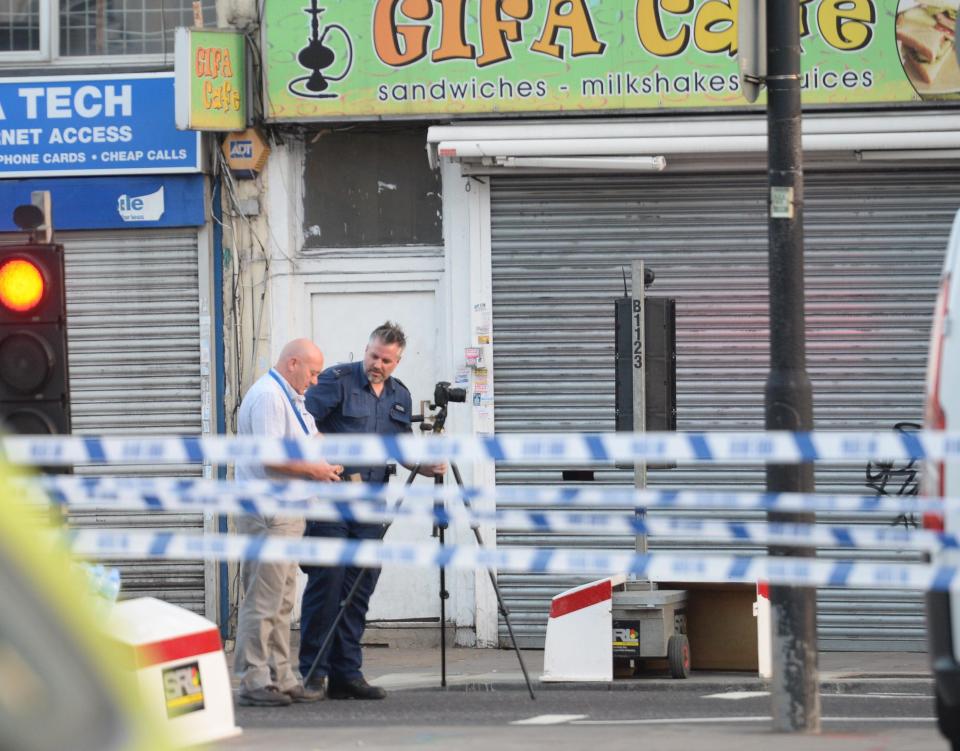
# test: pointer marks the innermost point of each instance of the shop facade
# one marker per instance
(544, 132)
(556, 246)
(129, 204)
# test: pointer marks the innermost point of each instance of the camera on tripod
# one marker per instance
(443, 394)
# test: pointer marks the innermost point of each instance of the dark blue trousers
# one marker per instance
(326, 589)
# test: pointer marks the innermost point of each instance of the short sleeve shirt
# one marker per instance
(344, 402)
(267, 409)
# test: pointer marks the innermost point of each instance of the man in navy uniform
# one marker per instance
(359, 397)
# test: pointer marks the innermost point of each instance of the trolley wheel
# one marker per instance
(678, 655)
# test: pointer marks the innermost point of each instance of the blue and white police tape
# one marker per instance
(686, 567)
(547, 521)
(205, 494)
(504, 448)
(555, 522)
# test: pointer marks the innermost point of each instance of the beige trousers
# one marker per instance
(263, 624)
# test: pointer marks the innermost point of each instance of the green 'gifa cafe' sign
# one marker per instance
(401, 58)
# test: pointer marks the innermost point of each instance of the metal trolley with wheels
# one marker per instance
(650, 623)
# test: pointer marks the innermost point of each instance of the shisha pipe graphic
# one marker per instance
(316, 56)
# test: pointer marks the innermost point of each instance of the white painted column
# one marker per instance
(466, 231)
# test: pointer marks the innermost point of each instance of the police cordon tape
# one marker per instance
(751, 533)
(504, 448)
(205, 495)
(813, 572)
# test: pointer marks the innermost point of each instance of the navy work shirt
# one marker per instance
(344, 402)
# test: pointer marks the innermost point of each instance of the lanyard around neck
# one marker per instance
(293, 406)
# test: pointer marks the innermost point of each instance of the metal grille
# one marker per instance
(134, 348)
(874, 246)
(19, 25)
(125, 27)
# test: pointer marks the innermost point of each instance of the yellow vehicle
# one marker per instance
(61, 685)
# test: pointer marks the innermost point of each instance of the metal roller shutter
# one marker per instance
(874, 245)
(134, 329)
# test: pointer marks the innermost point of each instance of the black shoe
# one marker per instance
(356, 688)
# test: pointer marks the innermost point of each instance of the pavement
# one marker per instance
(472, 669)
(870, 701)
(498, 669)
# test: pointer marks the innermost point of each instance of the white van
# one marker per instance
(942, 412)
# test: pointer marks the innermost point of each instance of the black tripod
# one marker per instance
(440, 525)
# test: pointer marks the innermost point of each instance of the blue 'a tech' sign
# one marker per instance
(93, 125)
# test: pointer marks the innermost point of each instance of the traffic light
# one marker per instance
(34, 378)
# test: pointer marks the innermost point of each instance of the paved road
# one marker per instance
(877, 718)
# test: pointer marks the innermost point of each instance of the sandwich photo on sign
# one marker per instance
(926, 33)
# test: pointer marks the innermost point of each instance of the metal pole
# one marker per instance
(439, 528)
(788, 395)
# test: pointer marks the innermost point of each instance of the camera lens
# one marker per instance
(443, 393)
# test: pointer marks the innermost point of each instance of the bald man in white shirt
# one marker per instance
(274, 407)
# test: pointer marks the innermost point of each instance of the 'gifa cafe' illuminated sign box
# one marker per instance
(211, 80)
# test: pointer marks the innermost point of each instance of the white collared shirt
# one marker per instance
(266, 410)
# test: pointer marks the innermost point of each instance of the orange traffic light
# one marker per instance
(21, 285)
(34, 372)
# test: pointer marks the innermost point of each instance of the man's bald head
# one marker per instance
(300, 362)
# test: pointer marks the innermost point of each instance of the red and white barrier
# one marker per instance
(764, 644)
(180, 667)
(578, 645)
